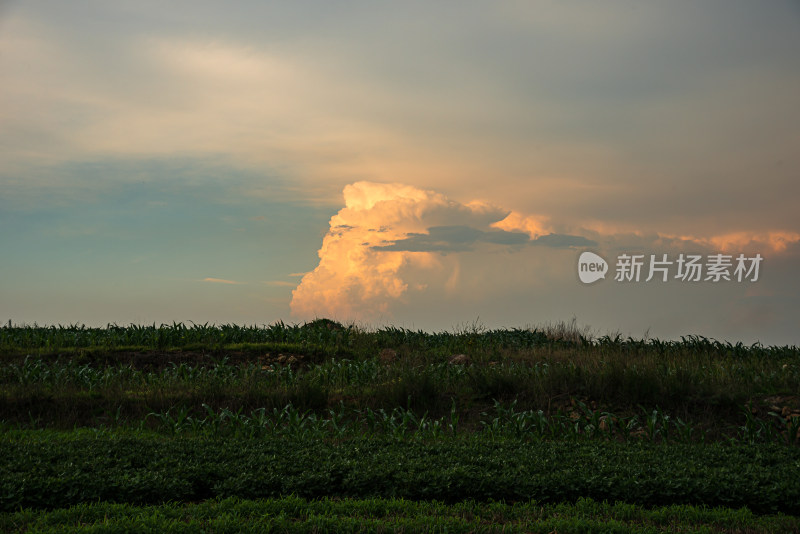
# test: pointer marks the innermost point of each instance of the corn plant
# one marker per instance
(175, 423)
(755, 430)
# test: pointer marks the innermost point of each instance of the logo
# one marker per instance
(591, 267)
(685, 268)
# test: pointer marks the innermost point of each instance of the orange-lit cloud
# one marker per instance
(382, 230)
(755, 241)
(774, 241)
(394, 244)
(535, 226)
(279, 283)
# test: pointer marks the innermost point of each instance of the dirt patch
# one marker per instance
(786, 406)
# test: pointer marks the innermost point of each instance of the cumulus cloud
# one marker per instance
(532, 225)
(279, 283)
(355, 278)
(386, 231)
(396, 246)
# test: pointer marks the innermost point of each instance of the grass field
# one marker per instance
(327, 428)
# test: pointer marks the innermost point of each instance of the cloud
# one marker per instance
(221, 281)
(773, 243)
(389, 243)
(280, 283)
(355, 278)
(589, 114)
(564, 241)
(534, 226)
(463, 238)
(395, 246)
(776, 241)
(452, 239)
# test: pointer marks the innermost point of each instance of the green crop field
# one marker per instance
(324, 427)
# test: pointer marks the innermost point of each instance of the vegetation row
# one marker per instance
(50, 470)
(294, 514)
(325, 333)
(549, 395)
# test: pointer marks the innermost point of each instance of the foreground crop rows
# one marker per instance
(50, 470)
(323, 427)
(293, 514)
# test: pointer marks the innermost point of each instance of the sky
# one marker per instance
(428, 165)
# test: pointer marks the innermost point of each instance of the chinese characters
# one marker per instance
(687, 268)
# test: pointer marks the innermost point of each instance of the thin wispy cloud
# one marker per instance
(222, 281)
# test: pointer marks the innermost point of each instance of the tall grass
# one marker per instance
(47, 379)
(325, 333)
